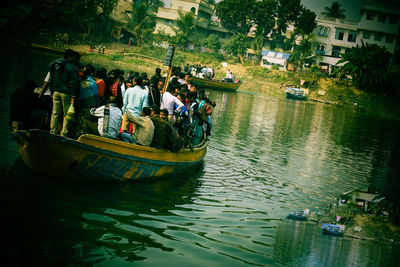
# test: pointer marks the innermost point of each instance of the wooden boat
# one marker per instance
(95, 157)
(298, 215)
(295, 93)
(332, 229)
(213, 84)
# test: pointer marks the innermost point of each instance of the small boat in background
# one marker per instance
(295, 93)
(298, 215)
(332, 229)
(214, 84)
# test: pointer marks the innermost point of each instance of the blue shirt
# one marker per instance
(135, 99)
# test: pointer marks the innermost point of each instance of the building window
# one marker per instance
(339, 34)
(336, 51)
(321, 48)
(370, 16)
(323, 31)
(193, 10)
(347, 50)
(382, 18)
(389, 39)
(378, 36)
(366, 35)
(392, 20)
(352, 36)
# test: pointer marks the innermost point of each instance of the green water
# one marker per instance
(267, 158)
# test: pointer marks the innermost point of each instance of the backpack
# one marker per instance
(174, 142)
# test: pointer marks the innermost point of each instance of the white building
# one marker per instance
(206, 21)
(379, 24)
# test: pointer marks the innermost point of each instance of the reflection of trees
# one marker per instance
(375, 141)
(302, 244)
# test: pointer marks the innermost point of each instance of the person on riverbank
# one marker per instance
(64, 83)
(108, 120)
(135, 99)
(144, 128)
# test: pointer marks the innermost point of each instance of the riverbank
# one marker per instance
(255, 78)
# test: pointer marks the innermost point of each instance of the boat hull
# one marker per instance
(93, 157)
(212, 84)
(291, 96)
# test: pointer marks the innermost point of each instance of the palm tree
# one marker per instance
(186, 27)
(334, 11)
(142, 21)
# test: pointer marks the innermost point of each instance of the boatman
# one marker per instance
(64, 84)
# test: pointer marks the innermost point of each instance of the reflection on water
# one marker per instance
(267, 158)
(303, 244)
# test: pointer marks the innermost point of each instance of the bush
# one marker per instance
(259, 72)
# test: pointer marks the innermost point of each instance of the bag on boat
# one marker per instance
(174, 141)
(207, 109)
(202, 114)
(70, 113)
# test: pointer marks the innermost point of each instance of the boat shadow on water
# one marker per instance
(54, 221)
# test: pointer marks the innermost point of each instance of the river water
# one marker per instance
(267, 158)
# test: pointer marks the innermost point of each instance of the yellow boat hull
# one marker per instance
(213, 84)
(95, 157)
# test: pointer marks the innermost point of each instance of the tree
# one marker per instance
(370, 66)
(107, 6)
(155, 4)
(303, 52)
(212, 42)
(236, 15)
(334, 11)
(186, 26)
(264, 19)
(142, 21)
(238, 46)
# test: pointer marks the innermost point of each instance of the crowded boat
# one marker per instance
(149, 110)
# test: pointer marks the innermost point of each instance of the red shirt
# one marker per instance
(101, 88)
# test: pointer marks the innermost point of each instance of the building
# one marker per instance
(206, 21)
(379, 24)
(271, 58)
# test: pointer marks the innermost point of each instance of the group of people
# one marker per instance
(76, 99)
(197, 70)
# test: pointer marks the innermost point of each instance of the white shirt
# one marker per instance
(168, 102)
(114, 121)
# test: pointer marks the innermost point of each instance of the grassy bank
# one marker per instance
(255, 78)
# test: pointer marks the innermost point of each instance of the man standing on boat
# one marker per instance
(135, 99)
(64, 84)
